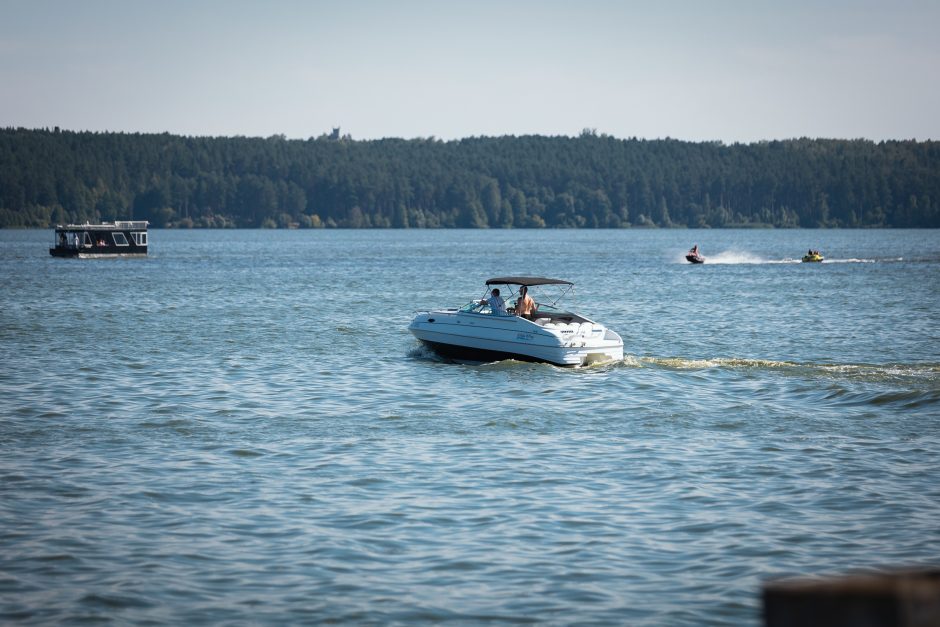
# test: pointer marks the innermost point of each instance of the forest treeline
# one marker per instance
(50, 177)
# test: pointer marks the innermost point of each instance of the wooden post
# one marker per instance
(898, 599)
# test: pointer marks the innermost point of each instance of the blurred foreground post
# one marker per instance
(899, 599)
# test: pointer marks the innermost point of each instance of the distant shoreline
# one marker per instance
(50, 177)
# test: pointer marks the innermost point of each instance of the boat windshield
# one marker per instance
(546, 299)
(475, 306)
(546, 296)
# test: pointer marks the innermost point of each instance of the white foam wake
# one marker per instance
(735, 257)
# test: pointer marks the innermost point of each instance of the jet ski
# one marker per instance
(694, 258)
(813, 257)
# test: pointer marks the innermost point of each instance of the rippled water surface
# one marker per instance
(240, 428)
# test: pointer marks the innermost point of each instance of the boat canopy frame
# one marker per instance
(532, 281)
(527, 281)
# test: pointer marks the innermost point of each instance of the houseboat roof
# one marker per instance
(117, 225)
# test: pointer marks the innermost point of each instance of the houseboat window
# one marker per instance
(139, 238)
(86, 239)
(119, 239)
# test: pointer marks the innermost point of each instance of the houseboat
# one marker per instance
(108, 239)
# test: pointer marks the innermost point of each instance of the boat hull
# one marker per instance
(485, 338)
(72, 253)
(812, 258)
(467, 353)
(695, 259)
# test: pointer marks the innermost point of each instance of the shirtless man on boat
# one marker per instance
(525, 306)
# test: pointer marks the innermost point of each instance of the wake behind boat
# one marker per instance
(549, 334)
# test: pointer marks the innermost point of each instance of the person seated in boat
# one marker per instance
(525, 306)
(496, 303)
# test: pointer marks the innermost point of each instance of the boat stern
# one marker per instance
(595, 345)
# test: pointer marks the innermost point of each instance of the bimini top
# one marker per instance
(526, 280)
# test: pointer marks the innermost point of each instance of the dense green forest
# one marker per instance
(51, 177)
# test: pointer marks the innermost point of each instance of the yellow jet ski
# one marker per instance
(813, 257)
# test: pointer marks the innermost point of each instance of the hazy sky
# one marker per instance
(693, 70)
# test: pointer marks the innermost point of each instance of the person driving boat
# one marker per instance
(496, 303)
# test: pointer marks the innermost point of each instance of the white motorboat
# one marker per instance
(475, 333)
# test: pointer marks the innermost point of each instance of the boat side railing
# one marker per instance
(128, 225)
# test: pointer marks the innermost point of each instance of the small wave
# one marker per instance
(423, 353)
(904, 399)
(115, 601)
(241, 452)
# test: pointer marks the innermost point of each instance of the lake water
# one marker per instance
(240, 429)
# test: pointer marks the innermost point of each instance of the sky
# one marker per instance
(705, 70)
